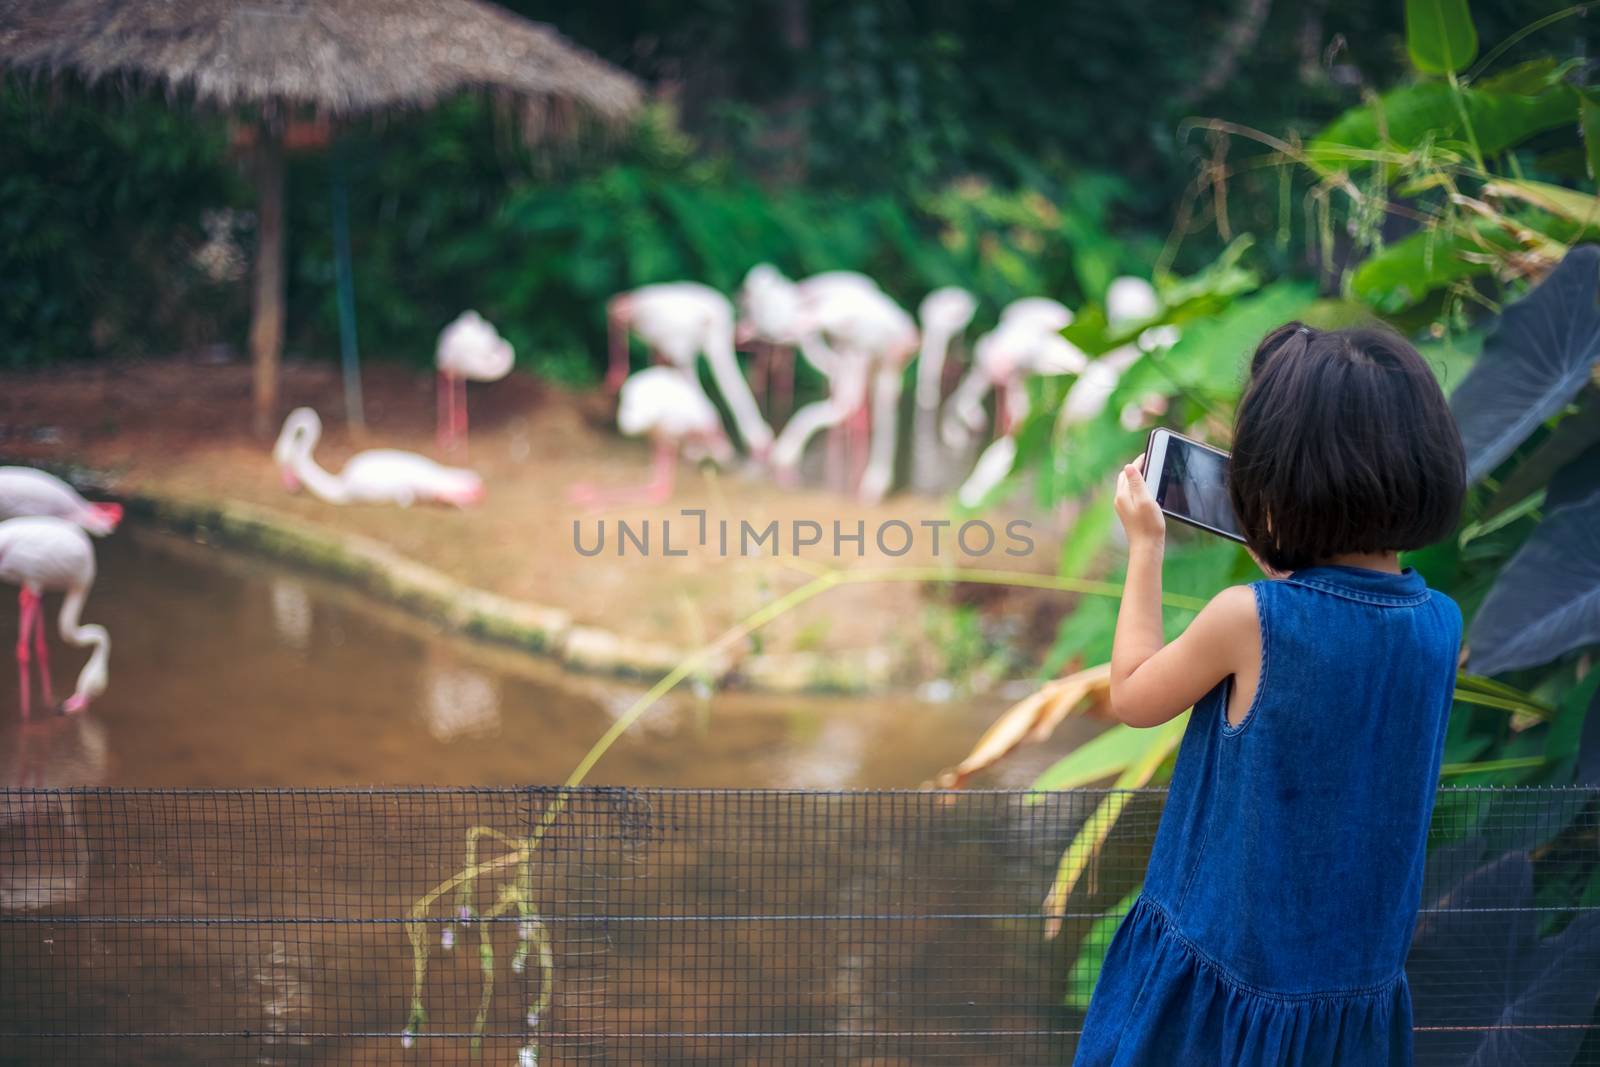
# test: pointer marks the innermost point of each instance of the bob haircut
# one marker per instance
(1343, 443)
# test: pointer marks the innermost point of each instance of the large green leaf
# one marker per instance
(1212, 357)
(1547, 599)
(1430, 111)
(1541, 353)
(1085, 971)
(1112, 753)
(1404, 273)
(1569, 204)
(1440, 35)
(1477, 960)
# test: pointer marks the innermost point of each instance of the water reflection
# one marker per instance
(291, 611)
(457, 701)
(228, 671)
(44, 853)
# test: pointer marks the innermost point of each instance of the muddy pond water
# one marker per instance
(232, 671)
(249, 927)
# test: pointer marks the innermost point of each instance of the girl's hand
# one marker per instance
(1137, 508)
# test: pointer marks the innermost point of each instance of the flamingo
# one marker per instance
(468, 349)
(1021, 346)
(772, 314)
(1130, 300)
(679, 322)
(376, 476)
(1026, 342)
(25, 491)
(861, 341)
(1043, 312)
(668, 406)
(44, 554)
(943, 314)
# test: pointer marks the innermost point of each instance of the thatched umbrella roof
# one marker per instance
(329, 57)
(339, 57)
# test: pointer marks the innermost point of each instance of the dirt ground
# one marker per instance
(181, 427)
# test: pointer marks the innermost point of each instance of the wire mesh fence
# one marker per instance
(608, 926)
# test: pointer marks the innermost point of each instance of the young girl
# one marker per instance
(1286, 875)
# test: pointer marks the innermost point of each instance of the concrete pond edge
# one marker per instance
(381, 572)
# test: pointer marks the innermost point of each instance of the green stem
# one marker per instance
(1460, 102)
(1451, 770)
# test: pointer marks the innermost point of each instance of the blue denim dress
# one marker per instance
(1278, 907)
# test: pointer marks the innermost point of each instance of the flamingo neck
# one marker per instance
(736, 391)
(935, 345)
(92, 679)
(325, 486)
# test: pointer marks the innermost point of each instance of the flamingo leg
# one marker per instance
(858, 432)
(782, 387)
(833, 473)
(42, 651)
(455, 414)
(617, 339)
(760, 366)
(461, 423)
(664, 473)
(846, 390)
(441, 415)
(27, 610)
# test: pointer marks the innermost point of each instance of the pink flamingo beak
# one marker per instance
(290, 482)
(109, 515)
(75, 704)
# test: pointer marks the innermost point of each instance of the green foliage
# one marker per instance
(1464, 165)
(100, 202)
(1440, 35)
(446, 213)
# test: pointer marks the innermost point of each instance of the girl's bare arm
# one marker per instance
(1152, 681)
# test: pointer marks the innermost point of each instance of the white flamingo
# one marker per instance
(43, 554)
(774, 313)
(1004, 359)
(1130, 301)
(1025, 343)
(1043, 312)
(469, 349)
(25, 491)
(667, 406)
(679, 322)
(943, 314)
(376, 476)
(861, 341)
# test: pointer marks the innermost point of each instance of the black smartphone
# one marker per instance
(1190, 482)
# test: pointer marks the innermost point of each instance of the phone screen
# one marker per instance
(1193, 485)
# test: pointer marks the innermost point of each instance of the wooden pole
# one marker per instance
(266, 315)
(344, 275)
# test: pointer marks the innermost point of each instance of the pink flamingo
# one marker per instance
(773, 312)
(376, 476)
(468, 349)
(679, 322)
(943, 314)
(662, 403)
(43, 554)
(861, 341)
(25, 491)
(1026, 342)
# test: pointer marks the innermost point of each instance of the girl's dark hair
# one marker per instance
(1343, 443)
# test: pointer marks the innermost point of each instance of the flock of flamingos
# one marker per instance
(856, 336)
